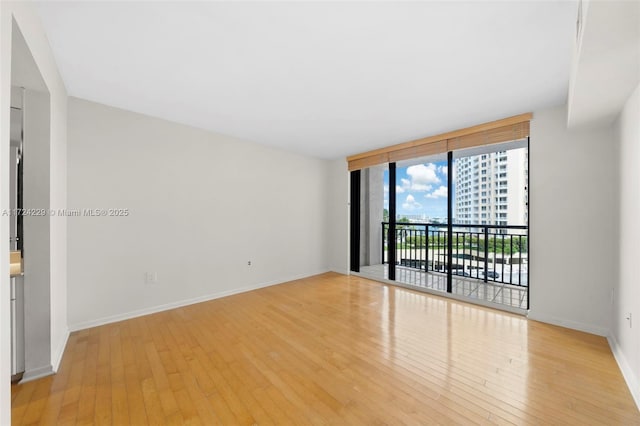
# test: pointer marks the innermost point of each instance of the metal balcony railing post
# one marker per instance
(426, 247)
(510, 259)
(502, 258)
(486, 253)
(520, 260)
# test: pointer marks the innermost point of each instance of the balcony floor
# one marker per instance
(497, 294)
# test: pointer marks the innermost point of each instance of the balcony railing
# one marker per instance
(491, 253)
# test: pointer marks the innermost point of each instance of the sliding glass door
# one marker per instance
(455, 222)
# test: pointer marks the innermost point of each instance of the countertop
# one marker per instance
(15, 260)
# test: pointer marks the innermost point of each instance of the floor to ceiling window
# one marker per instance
(454, 222)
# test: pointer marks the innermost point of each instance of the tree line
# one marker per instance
(508, 245)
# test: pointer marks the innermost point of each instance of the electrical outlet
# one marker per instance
(249, 263)
(151, 277)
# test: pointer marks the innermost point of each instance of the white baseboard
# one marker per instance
(165, 307)
(627, 372)
(575, 325)
(57, 354)
(36, 373)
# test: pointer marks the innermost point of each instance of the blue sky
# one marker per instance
(420, 189)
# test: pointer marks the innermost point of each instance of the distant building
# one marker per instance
(491, 189)
(420, 218)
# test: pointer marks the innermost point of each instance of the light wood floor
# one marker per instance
(330, 349)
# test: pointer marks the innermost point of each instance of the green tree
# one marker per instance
(400, 221)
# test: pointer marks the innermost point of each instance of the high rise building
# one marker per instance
(491, 188)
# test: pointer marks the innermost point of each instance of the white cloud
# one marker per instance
(410, 203)
(440, 192)
(406, 186)
(386, 189)
(422, 177)
(443, 170)
(421, 187)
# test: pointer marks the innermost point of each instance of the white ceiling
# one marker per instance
(322, 79)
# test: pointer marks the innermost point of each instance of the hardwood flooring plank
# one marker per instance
(330, 349)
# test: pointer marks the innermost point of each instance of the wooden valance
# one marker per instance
(507, 129)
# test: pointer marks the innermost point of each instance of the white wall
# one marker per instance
(37, 235)
(338, 216)
(5, 105)
(201, 206)
(573, 205)
(24, 16)
(625, 334)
